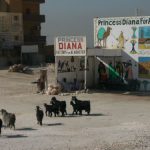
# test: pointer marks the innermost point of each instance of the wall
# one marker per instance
(3, 6)
(15, 6)
(11, 30)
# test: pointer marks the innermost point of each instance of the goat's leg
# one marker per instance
(46, 112)
(14, 127)
(80, 112)
(66, 112)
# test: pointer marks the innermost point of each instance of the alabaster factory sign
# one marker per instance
(70, 46)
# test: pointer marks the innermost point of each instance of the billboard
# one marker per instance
(144, 67)
(131, 34)
(70, 46)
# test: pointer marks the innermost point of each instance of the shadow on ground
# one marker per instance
(83, 115)
(16, 136)
(53, 124)
(25, 129)
(97, 114)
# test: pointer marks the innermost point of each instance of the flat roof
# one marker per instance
(104, 52)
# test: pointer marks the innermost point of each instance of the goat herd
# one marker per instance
(54, 108)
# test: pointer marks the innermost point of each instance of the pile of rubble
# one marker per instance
(54, 89)
(19, 68)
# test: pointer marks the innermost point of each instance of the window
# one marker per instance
(16, 37)
(16, 18)
(28, 11)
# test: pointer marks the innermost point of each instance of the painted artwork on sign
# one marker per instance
(117, 33)
(71, 64)
(144, 37)
(131, 34)
(102, 36)
(133, 43)
(144, 67)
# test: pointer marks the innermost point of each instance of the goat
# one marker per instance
(75, 108)
(39, 115)
(60, 105)
(51, 109)
(8, 119)
(1, 124)
(82, 105)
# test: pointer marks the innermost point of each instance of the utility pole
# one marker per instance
(137, 12)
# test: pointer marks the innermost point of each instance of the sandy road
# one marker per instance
(117, 121)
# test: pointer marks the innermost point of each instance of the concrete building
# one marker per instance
(32, 19)
(11, 30)
(29, 10)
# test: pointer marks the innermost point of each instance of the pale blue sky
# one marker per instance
(75, 17)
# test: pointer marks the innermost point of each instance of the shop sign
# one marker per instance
(70, 46)
(131, 34)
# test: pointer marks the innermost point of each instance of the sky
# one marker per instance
(75, 17)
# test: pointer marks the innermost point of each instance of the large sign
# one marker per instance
(144, 67)
(128, 33)
(70, 46)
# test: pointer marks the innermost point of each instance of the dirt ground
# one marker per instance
(118, 121)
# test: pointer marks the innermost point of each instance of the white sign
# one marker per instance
(128, 33)
(131, 35)
(70, 46)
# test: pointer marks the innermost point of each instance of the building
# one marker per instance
(31, 21)
(119, 60)
(11, 30)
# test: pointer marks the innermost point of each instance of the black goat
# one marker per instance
(60, 105)
(75, 107)
(50, 109)
(1, 124)
(81, 105)
(39, 115)
(9, 119)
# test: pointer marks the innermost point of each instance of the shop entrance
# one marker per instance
(110, 73)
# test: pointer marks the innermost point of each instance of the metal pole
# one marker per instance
(56, 63)
(85, 73)
(21, 57)
(56, 70)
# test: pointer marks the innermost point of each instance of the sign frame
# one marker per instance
(70, 46)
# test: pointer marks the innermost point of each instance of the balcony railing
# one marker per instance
(35, 39)
(34, 17)
(38, 1)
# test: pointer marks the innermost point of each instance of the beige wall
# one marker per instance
(15, 6)
(11, 29)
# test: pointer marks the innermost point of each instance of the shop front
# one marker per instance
(130, 35)
(70, 58)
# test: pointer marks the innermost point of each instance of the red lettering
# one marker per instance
(74, 46)
(60, 45)
(64, 45)
(69, 46)
(80, 46)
